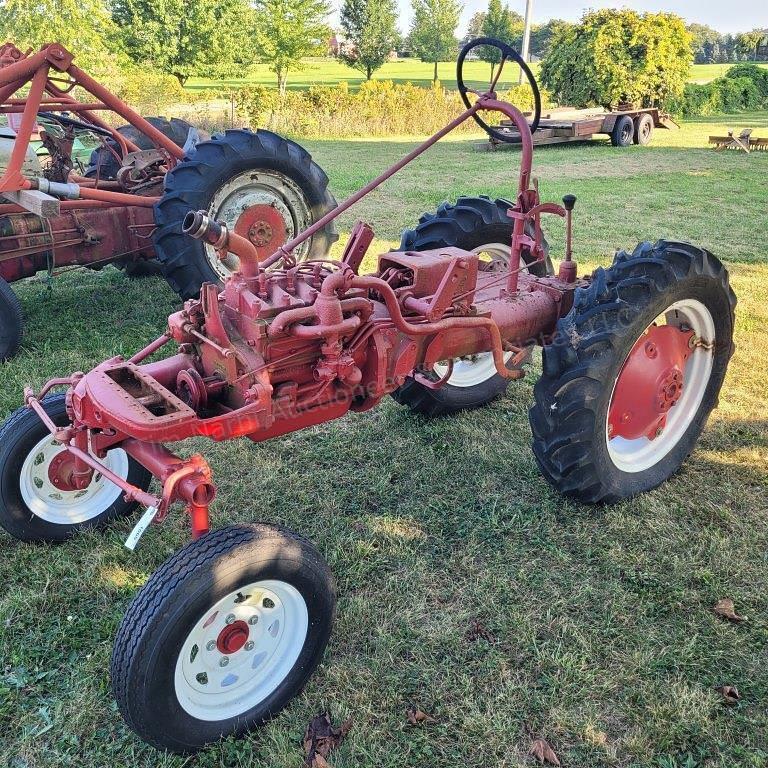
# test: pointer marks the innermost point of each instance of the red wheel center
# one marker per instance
(650, 383)
(61, 473)
(264, 226)
(233, 637)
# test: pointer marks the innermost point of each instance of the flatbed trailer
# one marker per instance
(566, 124)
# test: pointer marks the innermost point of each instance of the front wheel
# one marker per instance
(223, 635)
(633, 372)
(37, 503)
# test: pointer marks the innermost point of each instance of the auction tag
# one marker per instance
(140, 527)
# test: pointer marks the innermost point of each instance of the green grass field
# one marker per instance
(327, 71)
(603, 637)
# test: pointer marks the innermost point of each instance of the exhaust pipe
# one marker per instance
(201, 226)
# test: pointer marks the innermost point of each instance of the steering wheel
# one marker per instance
(508, 53)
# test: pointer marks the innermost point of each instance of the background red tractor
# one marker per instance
(230, 628)
(125, 203)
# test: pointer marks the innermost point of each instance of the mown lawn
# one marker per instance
(602, 638)
(328, 71)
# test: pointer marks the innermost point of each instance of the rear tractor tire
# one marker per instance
(223, 635)
(266, 188)
(634, 372)
(11, 322)
(32, 506)
(481, 225)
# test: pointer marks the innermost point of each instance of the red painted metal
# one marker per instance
(650, 383)
(286, 347)
(232, 637)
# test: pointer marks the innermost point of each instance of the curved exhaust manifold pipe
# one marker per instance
(201, 226)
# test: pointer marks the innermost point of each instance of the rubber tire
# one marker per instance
(623, 132)
(192, 184)
(170, 603)
(643, 134)
(11, 322)
(19, 434)
(472, 222)
(175, 129)
(572, 398)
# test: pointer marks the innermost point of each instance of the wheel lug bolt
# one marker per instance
(210, 645)
(253, 620)
(223, 661)
(230, 618)
(249, 645)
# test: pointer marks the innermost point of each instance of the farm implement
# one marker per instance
(126, 205)
(230, 628)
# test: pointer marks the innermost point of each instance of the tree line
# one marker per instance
(609, 55)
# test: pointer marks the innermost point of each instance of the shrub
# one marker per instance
(722, 96)
(378, 108)
(758, 75)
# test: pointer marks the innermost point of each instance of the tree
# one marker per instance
(184, 37)
(84, 27)
(504, 25)
(541, 37)
(287, 31)
(474, 27)
(704, 40)
(619, 56)
(370, 27)
(433, 30)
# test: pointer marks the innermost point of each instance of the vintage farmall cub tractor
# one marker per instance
(230, 628)
(126, 206)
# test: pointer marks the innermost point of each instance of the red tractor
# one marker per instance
(230, 628)
(126, 205)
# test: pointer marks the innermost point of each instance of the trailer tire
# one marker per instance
(11, 322)
(181, 677)
(291, 184)
(643, 129)
(607, 345)
(623, 132)
(473, 222)
(27, 510)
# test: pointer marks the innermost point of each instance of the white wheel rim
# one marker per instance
(472, 370)
(54, 505)
(212, 685)
(257, 187)
(643, 453)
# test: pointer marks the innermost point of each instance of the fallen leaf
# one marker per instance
(730, 693)
(478, 630)
(726, 610)
(321, 738)
(541, 750)
(416, 716)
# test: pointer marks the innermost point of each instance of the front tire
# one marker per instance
(623, 132)
(481, 225)
(266, 188)
(32, 508)
(223, 635)
(11, 322)
(624, 395)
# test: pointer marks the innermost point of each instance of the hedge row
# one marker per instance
(743, 88)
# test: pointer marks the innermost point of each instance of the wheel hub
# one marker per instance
(232, 637)
(264, 226)
(650, 383)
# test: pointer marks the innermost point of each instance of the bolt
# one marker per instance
(210, 645)
(249, 645)
(223, 661)
(230, 618)
(253, 620)
(659, 431)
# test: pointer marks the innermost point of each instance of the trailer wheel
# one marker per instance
(481, 225)
(635, 370)
(623, 132)
(643, 129)
(33, 506)
(223, 635)
(11, 322)
(263, 186)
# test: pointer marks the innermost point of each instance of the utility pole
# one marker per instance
(526, 34)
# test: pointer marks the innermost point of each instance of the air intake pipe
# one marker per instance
(201, 226)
